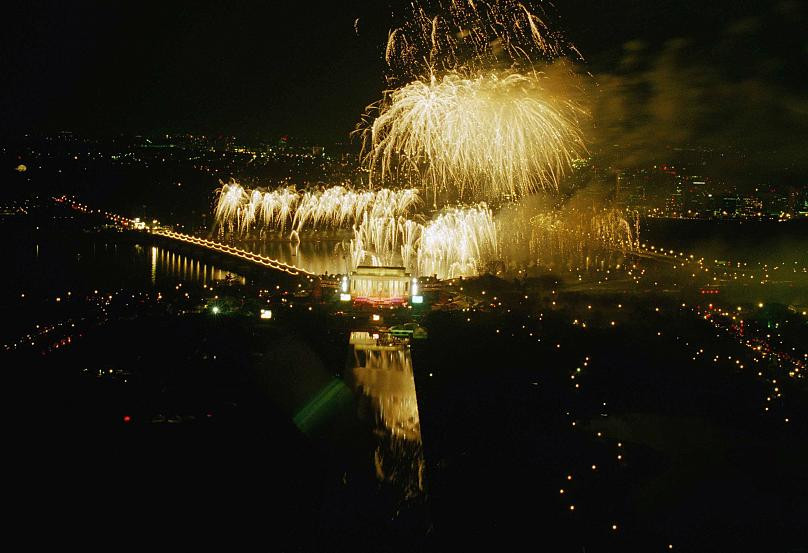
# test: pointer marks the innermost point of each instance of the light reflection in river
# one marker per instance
(174, 265)
(317, 255)
(382, 377)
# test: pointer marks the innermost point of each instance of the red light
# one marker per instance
(127, 418)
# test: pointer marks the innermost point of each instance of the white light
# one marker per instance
(376, 317)
(266, 313)
(344, 297)
(215, 309)
(417, 299)
(344, 284)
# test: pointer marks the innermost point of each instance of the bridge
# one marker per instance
(227, 249)
(187, 239)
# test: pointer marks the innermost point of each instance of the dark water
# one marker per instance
(50, 264)
(56, 259)
(750, 241)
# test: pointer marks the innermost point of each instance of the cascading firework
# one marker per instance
(568, 233)
(238, 209)
(228, 205)
(458, 242)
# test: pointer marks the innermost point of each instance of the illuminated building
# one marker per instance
(380, 284)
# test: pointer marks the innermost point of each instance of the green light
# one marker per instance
(215, 309)
(322, 405)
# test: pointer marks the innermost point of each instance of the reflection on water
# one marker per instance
(316, 256)
(381, 374)
(48, 262)
(178, 266)
(331, 255)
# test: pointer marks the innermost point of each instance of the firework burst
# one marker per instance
(494, 135)
(471, 36)
(481, 108)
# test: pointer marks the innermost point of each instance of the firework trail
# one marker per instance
(496, 134)
(573, 233)
(237, 210)
(231, 197)
(471, 36)
(458, 242)
(476, 111)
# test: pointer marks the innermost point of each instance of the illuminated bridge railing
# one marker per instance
(136, 224)
(232, 251)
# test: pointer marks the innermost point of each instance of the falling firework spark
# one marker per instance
(471, 36)
(497, 134)
(581, 229)
(458, 242)
(238, 209)
(480, 107)
(231, 197)
(570, 237)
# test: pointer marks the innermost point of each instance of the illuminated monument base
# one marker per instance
(389, 285)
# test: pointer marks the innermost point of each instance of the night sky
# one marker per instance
(261, 69)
